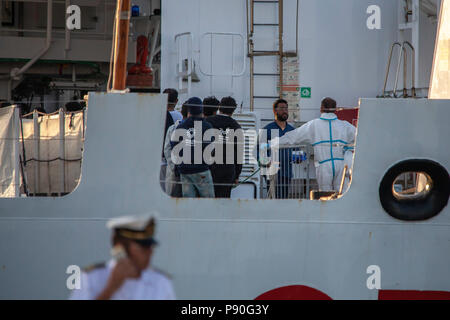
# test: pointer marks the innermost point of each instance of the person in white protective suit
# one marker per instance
(333, 142)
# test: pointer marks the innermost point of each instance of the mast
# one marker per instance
(120, 43)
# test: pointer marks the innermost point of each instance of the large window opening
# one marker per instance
(227, 153)
(41, 154)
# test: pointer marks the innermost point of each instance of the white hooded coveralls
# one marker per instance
(332, 139)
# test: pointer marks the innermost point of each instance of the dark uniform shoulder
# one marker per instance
(207, 124)
(162, 272)
(211, 120)
(271, 125)
(95, 266)
(235, 124)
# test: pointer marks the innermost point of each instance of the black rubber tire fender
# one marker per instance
(417, 208)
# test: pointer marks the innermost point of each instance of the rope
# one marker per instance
(50, 114)
(51, 160)
(24, 177)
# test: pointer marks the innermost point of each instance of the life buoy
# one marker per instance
(421, 207)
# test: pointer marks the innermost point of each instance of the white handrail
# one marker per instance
(232, 34)
(180, 74)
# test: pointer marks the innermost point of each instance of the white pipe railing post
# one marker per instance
(36, 139)
(62, 151)
(16, 137)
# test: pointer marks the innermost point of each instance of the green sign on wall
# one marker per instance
(305, 92)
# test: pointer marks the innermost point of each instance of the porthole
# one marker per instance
(415, 190)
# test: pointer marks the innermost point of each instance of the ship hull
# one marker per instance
(234, 249)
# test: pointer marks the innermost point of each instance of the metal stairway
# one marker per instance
(252, 53)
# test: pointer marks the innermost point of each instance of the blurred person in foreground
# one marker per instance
(129, 275)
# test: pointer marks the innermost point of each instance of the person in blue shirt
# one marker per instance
(284, 175)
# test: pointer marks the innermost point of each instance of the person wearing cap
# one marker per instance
(195, 176)
(331, 138)
(128, 276)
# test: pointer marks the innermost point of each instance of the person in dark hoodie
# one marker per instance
(210, 106)
(195, 176)
(227, 173)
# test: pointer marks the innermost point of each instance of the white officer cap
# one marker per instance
(140, 228)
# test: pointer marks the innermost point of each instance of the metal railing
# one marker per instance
(287, 177)
(402, 55)
(188, 38)
(232, 74)
(291, 178)
(51, 152)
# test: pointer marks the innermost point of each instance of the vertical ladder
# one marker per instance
(252, 53)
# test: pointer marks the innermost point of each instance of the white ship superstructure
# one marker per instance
(247, 246)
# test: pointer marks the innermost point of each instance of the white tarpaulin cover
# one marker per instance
(45, 176)
(7, 165)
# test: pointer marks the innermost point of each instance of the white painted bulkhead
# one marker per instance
(339, 56)
(222, 248)
(219, 248)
